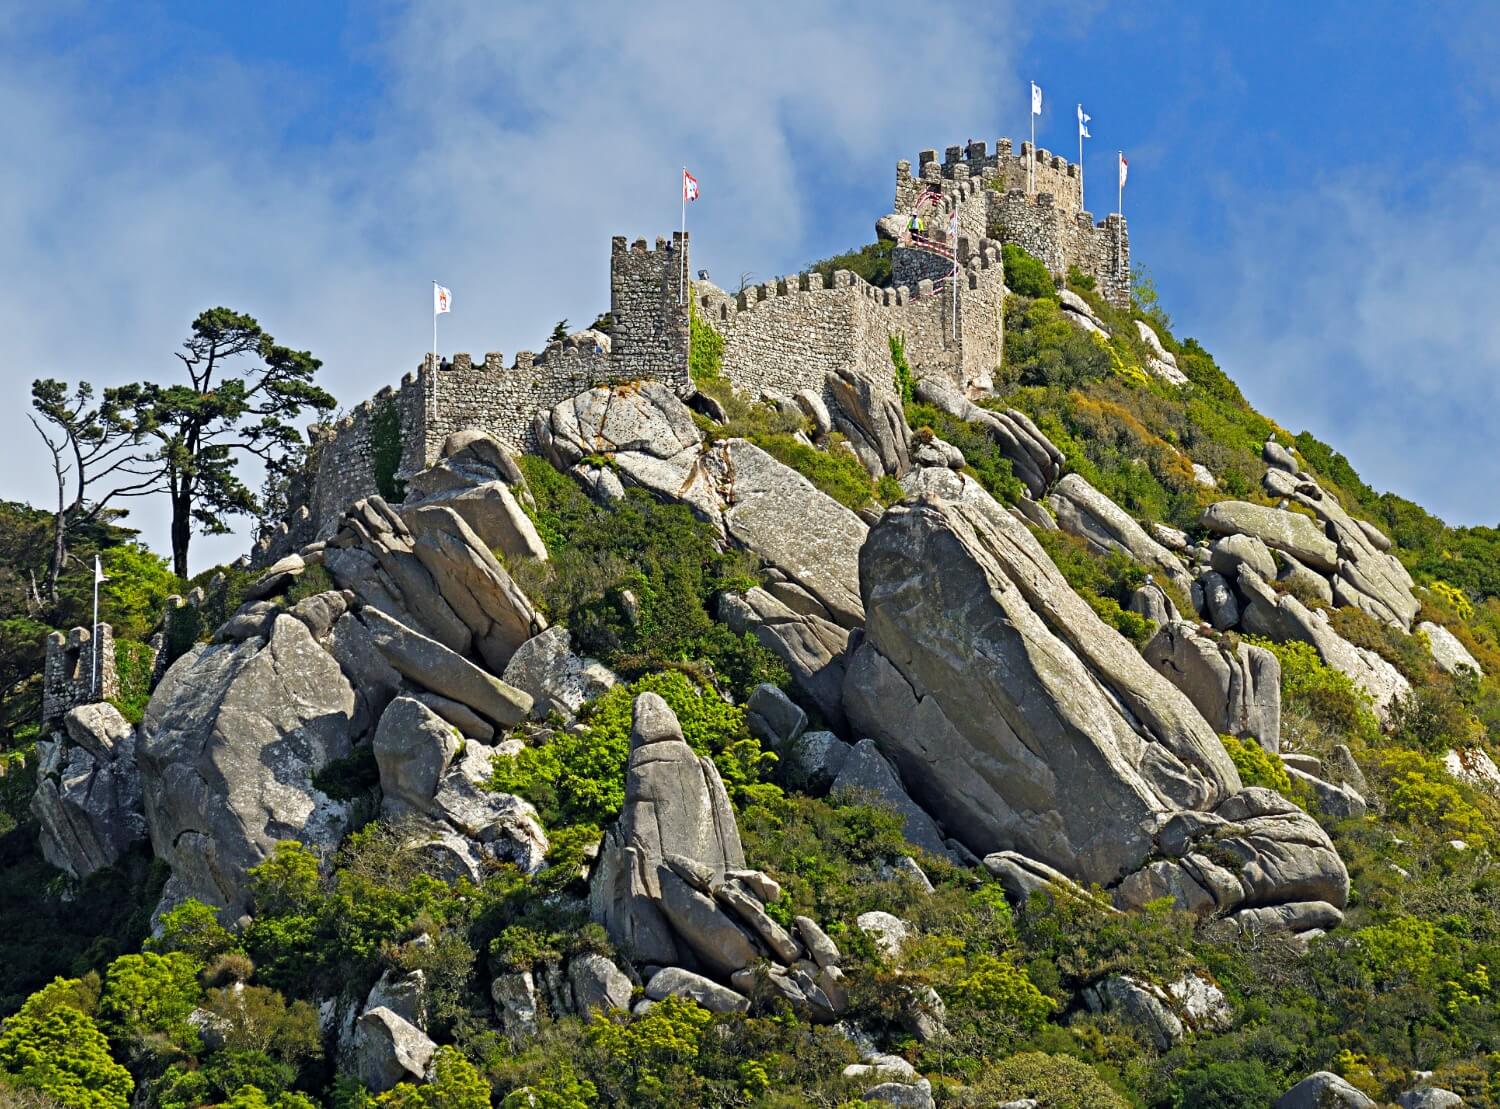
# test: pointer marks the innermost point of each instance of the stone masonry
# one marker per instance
(989, 192)
(68, 674)
(782, 336)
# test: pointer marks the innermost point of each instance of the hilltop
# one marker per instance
(921, 680)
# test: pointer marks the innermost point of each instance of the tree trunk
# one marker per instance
(59, 545)
(182, 533)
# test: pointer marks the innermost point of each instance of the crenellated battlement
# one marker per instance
(77, 671)
(785, 335)
(1033, 198)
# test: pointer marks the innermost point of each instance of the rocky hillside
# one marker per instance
(1096, 742)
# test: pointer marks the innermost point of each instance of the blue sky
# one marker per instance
(1311, 185)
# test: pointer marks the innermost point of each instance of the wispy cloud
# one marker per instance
(503, 152)
(1364, 311)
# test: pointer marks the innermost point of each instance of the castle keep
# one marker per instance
(945, 301)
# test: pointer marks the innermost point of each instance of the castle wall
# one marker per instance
(648, 292)
(788, 335)
(1061, 239)
(68, 676)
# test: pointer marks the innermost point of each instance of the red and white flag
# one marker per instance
(1124, 169)
(689, 186)
(442, 300)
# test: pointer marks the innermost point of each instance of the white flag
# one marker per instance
(98, 571)
(1036, 99)
(1124, 169)
(1083, 124)
(442, 300)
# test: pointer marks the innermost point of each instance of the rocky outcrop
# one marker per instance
(476, 477)
(1160, 361)
(809, 645)
(1238, 691)
(1283, 617)
(1083, 511)
(389, 1049)
(88, 793)
(866, 773)
(809, 542)
(413, 747)
(228, 749)
(430, 572)
(871, 419)
(1025, 723)
(1032, 456)
(1166, 1015)
(671, 887)
(1279, 530)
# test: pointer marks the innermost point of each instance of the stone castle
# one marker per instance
(945, 301)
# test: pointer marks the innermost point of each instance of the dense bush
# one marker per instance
(871, 262)
(635, 582)
(1025, 275)
(579, 777)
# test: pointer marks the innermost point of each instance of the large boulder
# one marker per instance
(228, 749)
(1237, 690)
(870, 417)
(1025, 723)
(1083, 511)
(675, 804)
(1278, 529)
(413, 747)
(388, 1049)
(1323, 1090)
(557, 679)
(985, 677)
(1451, 655)
(429, 664)
(88, 793)
(494, 513)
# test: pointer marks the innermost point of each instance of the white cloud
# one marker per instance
(502, 154)
(1365, 313)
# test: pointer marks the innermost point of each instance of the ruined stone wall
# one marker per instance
(68, 674)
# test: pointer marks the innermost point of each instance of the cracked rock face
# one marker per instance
(227, 751)
(88, 794)
(1023, 722)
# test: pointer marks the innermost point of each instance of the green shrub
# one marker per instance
(671, 562)
(1025, 275)
(579, 778)
(59, 1051)
(905, 381)
(1043, 348)
(705, 349)
(1257, 766)
(137, 582)
(1322, 694)
(1230, 1084)
(871, 262)
(1054, 1081)
(133, 665)
(386, 446)
(193, 927)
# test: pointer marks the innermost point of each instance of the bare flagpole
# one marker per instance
(434, 363)
(98, 577)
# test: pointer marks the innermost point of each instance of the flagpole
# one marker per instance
(434, 363)
(1081, 204)
(1031, 168)
(95, 638)
(1120, 201)
(682, 243)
